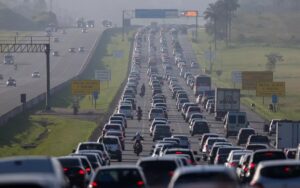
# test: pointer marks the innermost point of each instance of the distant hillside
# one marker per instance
(10, 20)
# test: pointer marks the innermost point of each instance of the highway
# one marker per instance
(176, 121)
(63, 67)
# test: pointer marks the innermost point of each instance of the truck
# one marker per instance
(226, 99)
(287, 134)
(202, 83)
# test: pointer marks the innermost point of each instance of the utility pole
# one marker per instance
(123, 26)
(197, 27)
(215, 32)
(210, 58)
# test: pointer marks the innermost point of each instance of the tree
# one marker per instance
(273, 58)
(219, 19)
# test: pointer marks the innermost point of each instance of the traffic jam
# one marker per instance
(171, 128)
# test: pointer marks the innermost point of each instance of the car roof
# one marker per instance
(203, 169)
(163, 158)
(278, 163)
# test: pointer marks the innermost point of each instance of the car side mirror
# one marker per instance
(73, 151)
(172, 130)
(198, 159)
(195, 152)
(153, 146)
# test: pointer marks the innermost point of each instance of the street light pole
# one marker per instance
(47, 51)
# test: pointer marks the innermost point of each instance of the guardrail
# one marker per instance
(42, 97)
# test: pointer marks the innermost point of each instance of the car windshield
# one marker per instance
(125, 108)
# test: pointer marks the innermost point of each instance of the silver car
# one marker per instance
(277, 174)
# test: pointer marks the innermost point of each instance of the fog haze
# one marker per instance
(112, 9)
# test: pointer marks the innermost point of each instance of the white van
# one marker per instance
(234, 121)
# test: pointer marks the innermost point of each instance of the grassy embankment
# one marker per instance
(58, 134)
(250, 55)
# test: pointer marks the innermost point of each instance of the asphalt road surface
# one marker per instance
(63, 67)
(176, 121)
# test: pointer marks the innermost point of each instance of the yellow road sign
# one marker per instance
(250, 78)
(268, 89)
(85, 87)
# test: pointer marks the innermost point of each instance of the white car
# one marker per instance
(55, 53)
(81, 49)
(277, 174)
(35, 75)
(127, 110)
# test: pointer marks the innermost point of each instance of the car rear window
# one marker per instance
(232, 119)
(212, 141)
(241, 119)
(281, 172)
(237, 156)
(156, 111)
(204, 177)
(69, 162)
(119, 178)
(266, 156)
(110, 141)
(262, 139)
(34, 165)
(157, 172)
(125, 107)
(226, 150)
(255, 147)
(248, 131)
(90, 147)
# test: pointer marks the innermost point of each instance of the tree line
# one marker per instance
(219, 19)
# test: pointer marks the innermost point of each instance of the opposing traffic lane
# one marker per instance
(63, 67)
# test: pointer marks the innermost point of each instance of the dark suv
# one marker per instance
(243, 135)
(263, 155)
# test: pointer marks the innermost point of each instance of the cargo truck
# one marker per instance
(226, 99)
(287, 134)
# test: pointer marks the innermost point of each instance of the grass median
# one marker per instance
(33, 133)
(246, 57)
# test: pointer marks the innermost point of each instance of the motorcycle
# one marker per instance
(138, 148)
(139, 115)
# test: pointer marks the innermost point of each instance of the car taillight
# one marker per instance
(252, 166)
(232, 164)
(140, 183)
(178, 152)
(66, 169)
(245, 169)
(81, 172)
(171, 173)
(93, 185)
(87, 169)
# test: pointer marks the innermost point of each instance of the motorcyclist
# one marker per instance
(139, 113)
(138, 139)
(143, 90)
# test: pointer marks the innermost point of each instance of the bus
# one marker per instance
(202, 83)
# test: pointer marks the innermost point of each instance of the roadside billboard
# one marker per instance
(250, 78)
(268, 89)
(85, 87)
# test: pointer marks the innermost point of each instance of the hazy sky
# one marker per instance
(112, 9)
